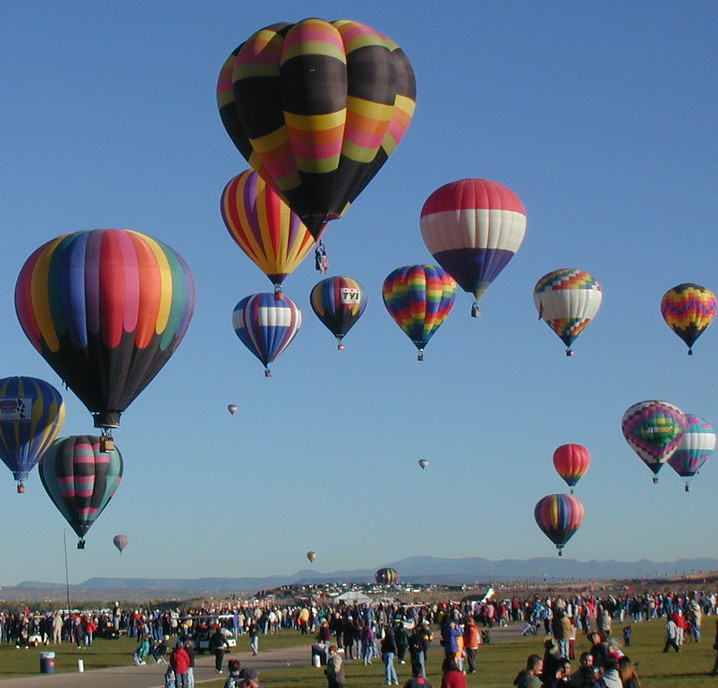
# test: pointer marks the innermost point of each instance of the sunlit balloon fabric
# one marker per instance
(232, 408)
(264, 227)
(266, 324)
(571, 461)
(654, 429)
(81, 479)
(31, 414)
(559, 516)
(688, 309)
(697, 444)
(473, 228)
(120, 541)
(316, 108)
(338, 302)
(567, 299)
(106, 308)
(423, 463)
(386, 576)
(419, 298)
(311, 555)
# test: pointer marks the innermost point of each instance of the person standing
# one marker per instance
(217, 645)
(530, 676)
(388, 652)
(335, 669)
(253, 632)
(472, 640)
(179, 661)
(189, 649)
(402, 641)
(452, 676)
(714, 670)
(671, 636)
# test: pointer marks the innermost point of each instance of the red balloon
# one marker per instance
(571, 462)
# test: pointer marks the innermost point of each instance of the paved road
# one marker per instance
(152, 675)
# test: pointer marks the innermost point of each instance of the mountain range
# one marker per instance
(418, 569)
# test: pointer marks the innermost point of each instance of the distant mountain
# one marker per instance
(412, 569)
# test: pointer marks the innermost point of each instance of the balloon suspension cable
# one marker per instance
(420, 355)
(20, 487)
(81, 544)
(690, 351)
(267, 372)
(475, 310)
(569, 351)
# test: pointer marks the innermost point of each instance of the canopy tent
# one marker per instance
(354, 596)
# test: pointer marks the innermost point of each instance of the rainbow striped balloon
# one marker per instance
(697, 444)
(559, 516)
(106, 309)
(419, 298)
(688, 309)
(316, 108)
(80, 478)
(264, 226)
(386, 576)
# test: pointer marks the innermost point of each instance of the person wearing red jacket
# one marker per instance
(472, 640)
(179, 661)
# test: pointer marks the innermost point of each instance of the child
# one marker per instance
(627, 630)
(170, 678)
(142, 651)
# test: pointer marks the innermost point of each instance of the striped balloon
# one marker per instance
(473, 228)
(567, 300)
(31, 414)
(120, 541)
(386, 576)
(688, 309)
(559, 516)
(264, 226)
(654, 429)
(338, 302)
(419, 298)
(697, 444)
(266, 324)
(80, 478)
(571, 461)
(316, 108)
(106, 308)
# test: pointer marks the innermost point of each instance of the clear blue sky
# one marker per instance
(601, 116)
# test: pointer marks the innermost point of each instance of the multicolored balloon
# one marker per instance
(120, 541)
(654, 430)
(338, 302)
(266, 324)
(106, 309)
(697, 444)
(311, 555)
(567, 299)
(264, 227)
(419, 298)
(232, 408)
(688, 309)
(31, 414)
(386, 576)
(316, 108)
(473, 228)
(423, 463)
(559, 516)
(80, 478)
(571, 461)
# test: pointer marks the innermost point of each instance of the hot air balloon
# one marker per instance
(654, 430)
(567, 299)
(571, 461)
(266, 324)
(120, 541)
(31, 414)
(264, 227)
(473, 228)
(688, 309)
(559, 516)
(386, 576)
(106, 308)
(81, 478)
(419, 298)
(338, 302)
(423, 463)
(232, 408)
(311, 555)
(697, 444)
(316, 108)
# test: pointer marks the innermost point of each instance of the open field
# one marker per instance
(499, 661)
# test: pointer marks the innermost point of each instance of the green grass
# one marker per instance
(498, 662)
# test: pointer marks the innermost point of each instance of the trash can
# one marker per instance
(47, 662)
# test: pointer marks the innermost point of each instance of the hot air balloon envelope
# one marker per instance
(571, 461)
(386, 576)
(559, 516)
(311, 556)
(423, 463)
(120, 541)
(232, 408)
(338, 302)
(695, 448)
(688, 309)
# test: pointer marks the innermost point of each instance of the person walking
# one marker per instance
(335, 669)
(671, 636)
(253, 632)
(179, 661)
(217, 645)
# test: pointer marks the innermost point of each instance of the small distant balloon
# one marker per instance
(697, 444)
(571, 461)
(688, 309)
(232, 408)
(311, 555)
(120, 541)
(423, 463)
(386, 576)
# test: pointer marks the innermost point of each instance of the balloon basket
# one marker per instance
(475, 310)
(81, 544)
(20, 488)
(267, 372)
(107, 444)
(687, 488)
(569, 352)
(655, 480)
(420, 355)
(690, 352)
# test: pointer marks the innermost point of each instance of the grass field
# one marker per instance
(498, 662)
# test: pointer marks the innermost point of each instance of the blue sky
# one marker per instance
(600, 116)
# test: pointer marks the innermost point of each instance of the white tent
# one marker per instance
(354, 596)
